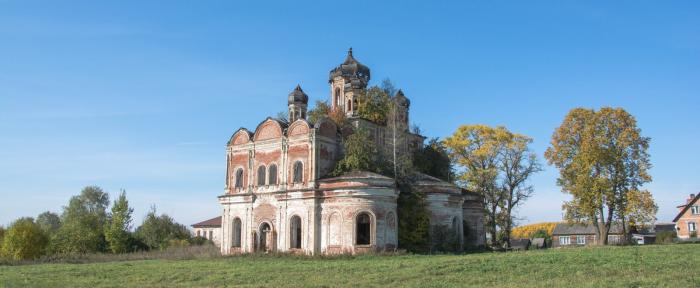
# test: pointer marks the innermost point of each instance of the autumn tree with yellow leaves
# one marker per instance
(603, 162)
(496, 164)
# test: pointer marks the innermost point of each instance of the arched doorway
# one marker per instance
(265, 239)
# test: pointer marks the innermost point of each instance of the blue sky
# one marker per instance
(143, 95)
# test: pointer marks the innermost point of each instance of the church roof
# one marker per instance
(213, 222)
(297, 96)
(350, 68)
(358, 174)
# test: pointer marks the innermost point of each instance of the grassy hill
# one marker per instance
(634, 266)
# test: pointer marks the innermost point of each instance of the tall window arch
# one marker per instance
(455, 227)
(362, 229)
(261, 175)
(298, 172)
(272, 175)
(295, 232)
(236, 241)
(337, 97)
(239, 178)
(349, 105)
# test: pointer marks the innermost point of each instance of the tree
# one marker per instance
(24, 240)
(117, 232)
(433, 159)
(641, 208)
(601, 157)
(518, 163)
(476, 149)
(374, 105)
(359, 154)
(2, 236)
(320, 110)
(83, 220)
(414, 219)
(157, 231)
(49, 222)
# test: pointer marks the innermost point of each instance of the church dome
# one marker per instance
(350, 68)
(401, 99)
(298, 95)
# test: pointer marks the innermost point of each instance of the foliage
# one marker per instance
(641, 208)
(83, 223)
(518, 163)
(529, 231)
(496, 164)
(157, 231)
(374, 105)
(601, 157)
(117, 232)
(631, 266)
(413, 219)
(320, 110)
(24, 240)
(359, 154)
(2, 236)
(665, 237)
(199, 240)
(49, 222)
(432, 159)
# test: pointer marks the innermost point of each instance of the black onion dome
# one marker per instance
(298, 95)
(350, 68)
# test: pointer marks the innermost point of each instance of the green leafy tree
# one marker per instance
(83, 220)
(2, 236)
(359, 154)
(374, 105)
(117, 232)
(320, 110)
(601, 157)
(24, 240)
(49, 222)
(414, 219)
(158, 231)
(432, 159)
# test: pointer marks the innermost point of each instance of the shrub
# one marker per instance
(157, 231)
(24, 240)
(665, 237)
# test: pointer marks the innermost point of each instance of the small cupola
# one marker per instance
(298, 96)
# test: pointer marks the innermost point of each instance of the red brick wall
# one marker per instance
(682, 222)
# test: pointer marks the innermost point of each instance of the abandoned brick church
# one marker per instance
(279, 197)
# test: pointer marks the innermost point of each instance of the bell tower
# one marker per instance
(297, 102)
(348, 81)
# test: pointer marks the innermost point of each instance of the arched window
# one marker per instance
(298, 172)
(272, 175)
(362, 232)
(261, 175)
(455, 228)
(295, 232)
(236, 241)
(239, 178)
(337, 97)
(349, 108)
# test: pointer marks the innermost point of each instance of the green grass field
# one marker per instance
(634, 266)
